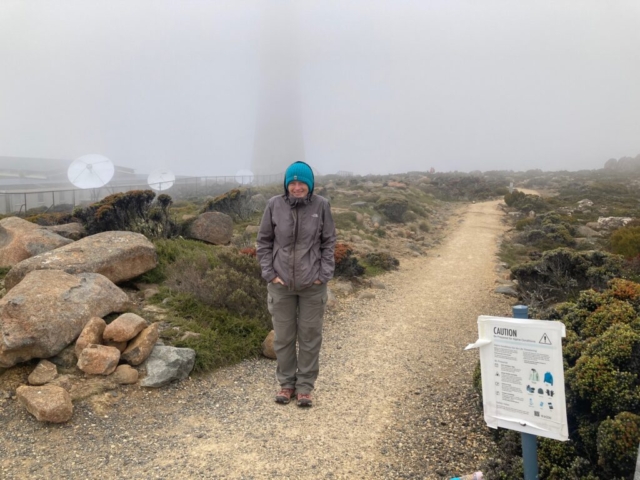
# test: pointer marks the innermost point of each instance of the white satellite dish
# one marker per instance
(161, 180)
(244, 177)
(90, 171)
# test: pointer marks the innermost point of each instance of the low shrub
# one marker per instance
(133, 211)
(626, 241)
(236, 203)
(382, 260)
(392, 207)
(48, 219)
(346, 264)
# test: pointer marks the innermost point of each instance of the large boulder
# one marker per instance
(167, 364)
(20, 240)
(119, 256)
(47, 311)
(48, 403)
(212, 227)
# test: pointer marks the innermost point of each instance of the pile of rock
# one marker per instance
(58, 291)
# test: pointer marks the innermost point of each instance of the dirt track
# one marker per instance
(394, 397)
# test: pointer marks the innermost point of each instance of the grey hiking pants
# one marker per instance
(297, 315)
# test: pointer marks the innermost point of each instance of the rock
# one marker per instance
(583, 231)
(47, 311)
(586, 203)
(140, 347)
(91, 334)
(267, 345)
(44, 372)
(187, 217)
(166, 364)
(66, 359)
(377, 284)
(611, 223)
(396, 185)
(72, 231)
(342, 288)
(124, 328)
(125, 375)
(48, 403)
(150, 292)
(121, 346)
(594, 225)
(259, 202)
(252, 229)
(212, 227)
(507, 290)
(366, 295)
(20, 240)
(63, 381)
(99, 359)
(119, 256)
(359, 204)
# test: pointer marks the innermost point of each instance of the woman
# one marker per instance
(295, 248)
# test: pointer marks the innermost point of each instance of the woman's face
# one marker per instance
(298, 189)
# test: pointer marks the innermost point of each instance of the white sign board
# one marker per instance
(523, 375)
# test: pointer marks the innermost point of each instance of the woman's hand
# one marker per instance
(317, 282)
(277, 280)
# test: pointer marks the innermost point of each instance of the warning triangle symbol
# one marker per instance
(545, 340)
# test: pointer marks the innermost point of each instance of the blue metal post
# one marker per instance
(529, 441)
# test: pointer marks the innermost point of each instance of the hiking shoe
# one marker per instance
(304, 400)
(284, 395)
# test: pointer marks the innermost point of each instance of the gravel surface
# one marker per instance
(394, 397)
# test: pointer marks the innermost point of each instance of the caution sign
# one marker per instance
(523, 375)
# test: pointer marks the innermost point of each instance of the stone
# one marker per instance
(586, 203)
(366, 295)
(99, 359)
(140, 347)
(212, 227)
(66, 359)
(48, 403)
(150, 292)
(47, 311)
(375, 283)
(125, 375)
(168, 364)
(584, 231)
(91, 334)
(359, 204)
(20, 240)
(342, 288)
(332, 301)
(63, 381)
(119, 256)
(44, 372)
(121, 346)
(252, 229)
(124, 328)
(189, 335)
(508, 290)
(611, 223)
(72, 231)
(267, 345)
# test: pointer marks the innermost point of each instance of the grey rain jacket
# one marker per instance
(296, 241)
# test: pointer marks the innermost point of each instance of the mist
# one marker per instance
(209, 88)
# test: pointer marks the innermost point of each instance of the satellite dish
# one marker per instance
(161, 180)
(90, 171)
(244, 177)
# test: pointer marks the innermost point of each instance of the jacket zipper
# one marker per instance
(295, 242)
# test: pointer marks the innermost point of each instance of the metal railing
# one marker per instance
(64, 199)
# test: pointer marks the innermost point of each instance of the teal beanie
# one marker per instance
(301, 172)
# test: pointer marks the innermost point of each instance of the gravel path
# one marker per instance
(394, 397)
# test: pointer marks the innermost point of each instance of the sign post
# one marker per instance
(523, 379)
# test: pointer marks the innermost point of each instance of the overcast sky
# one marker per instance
(381, 86)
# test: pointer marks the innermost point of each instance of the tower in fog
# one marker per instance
(278, 139)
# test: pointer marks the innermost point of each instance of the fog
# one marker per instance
(211, 87)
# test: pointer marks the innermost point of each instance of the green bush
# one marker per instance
(562, 273)
(392, 207)
(346, 264)
(626, 241)
(618, 440)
